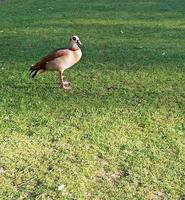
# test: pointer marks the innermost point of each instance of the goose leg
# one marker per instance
(64, 84)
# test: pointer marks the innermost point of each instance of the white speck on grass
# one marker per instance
(157, 195)
(2, 170)
(163, 53)
(121, 32)
(61, 187)
(6, 118)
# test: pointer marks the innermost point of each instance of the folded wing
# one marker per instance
(43, 61)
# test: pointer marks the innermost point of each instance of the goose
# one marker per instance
(59, 60)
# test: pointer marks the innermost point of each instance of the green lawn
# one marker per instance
(119, 134)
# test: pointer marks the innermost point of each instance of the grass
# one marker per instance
(120, 132)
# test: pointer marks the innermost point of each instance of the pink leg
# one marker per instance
(61, 80)
(64, 83)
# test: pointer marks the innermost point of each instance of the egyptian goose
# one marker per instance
(59, 60)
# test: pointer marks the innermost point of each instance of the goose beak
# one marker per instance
(79, 43)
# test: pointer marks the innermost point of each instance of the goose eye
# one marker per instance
(74, 38)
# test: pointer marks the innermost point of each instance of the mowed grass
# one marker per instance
(119, 133)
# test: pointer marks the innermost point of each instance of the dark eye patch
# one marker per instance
(74, 38)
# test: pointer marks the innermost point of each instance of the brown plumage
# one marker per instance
(59, 60)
